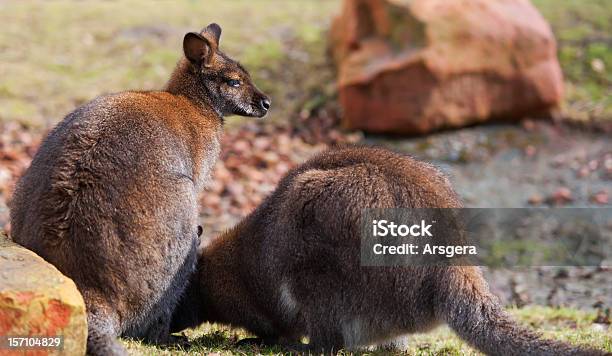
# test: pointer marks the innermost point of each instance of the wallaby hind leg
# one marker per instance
(397, 344)
(102, 336)
(326, 341)
(158, 332)
(257, 341)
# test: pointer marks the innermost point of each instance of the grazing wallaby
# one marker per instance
(111, 196)
(292, 267)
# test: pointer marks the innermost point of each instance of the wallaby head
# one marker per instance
(224, 83)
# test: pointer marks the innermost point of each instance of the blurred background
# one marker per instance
(512, 99)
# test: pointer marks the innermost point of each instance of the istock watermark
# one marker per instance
(504, 237)
(390, 228)
(19, 344)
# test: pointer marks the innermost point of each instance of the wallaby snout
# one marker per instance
(262, 103)
(265, 103)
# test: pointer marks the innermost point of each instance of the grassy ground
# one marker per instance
(584, 34)
(569, 325)
(58, 54)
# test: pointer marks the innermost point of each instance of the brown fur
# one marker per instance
(292, 267)
(111, 197)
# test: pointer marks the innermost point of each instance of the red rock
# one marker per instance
(253, 174)
(37, 300)
(241, 146)
(417, 66)
(584, 172)
(601, 197)
(561, 196)
(529, 125)
(530, 151)
(236, 189)
(222, 173)
(535, 199)
(261, 143)
(211, 200)
(215, 186)
(10, 155)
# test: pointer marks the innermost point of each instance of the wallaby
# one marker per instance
(292, 267)
(111, 196)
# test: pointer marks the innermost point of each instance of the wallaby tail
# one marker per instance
(475, 315)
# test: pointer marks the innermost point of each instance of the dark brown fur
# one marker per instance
(111, 197)
(292, 267)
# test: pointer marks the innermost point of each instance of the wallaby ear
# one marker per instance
(214, 33)
(197, 49)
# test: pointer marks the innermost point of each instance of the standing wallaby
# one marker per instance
(111, 196)
(292, 268)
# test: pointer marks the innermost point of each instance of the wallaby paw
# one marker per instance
(102, 338)
(254, 341)
(298, 348)
(105, 346)
(178, 340)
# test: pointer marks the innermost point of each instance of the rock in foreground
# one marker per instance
(412, 67)
(37, 300)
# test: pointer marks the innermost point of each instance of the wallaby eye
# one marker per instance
(233, 83)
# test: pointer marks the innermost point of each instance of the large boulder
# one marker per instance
(414, 66)
(37, 300)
